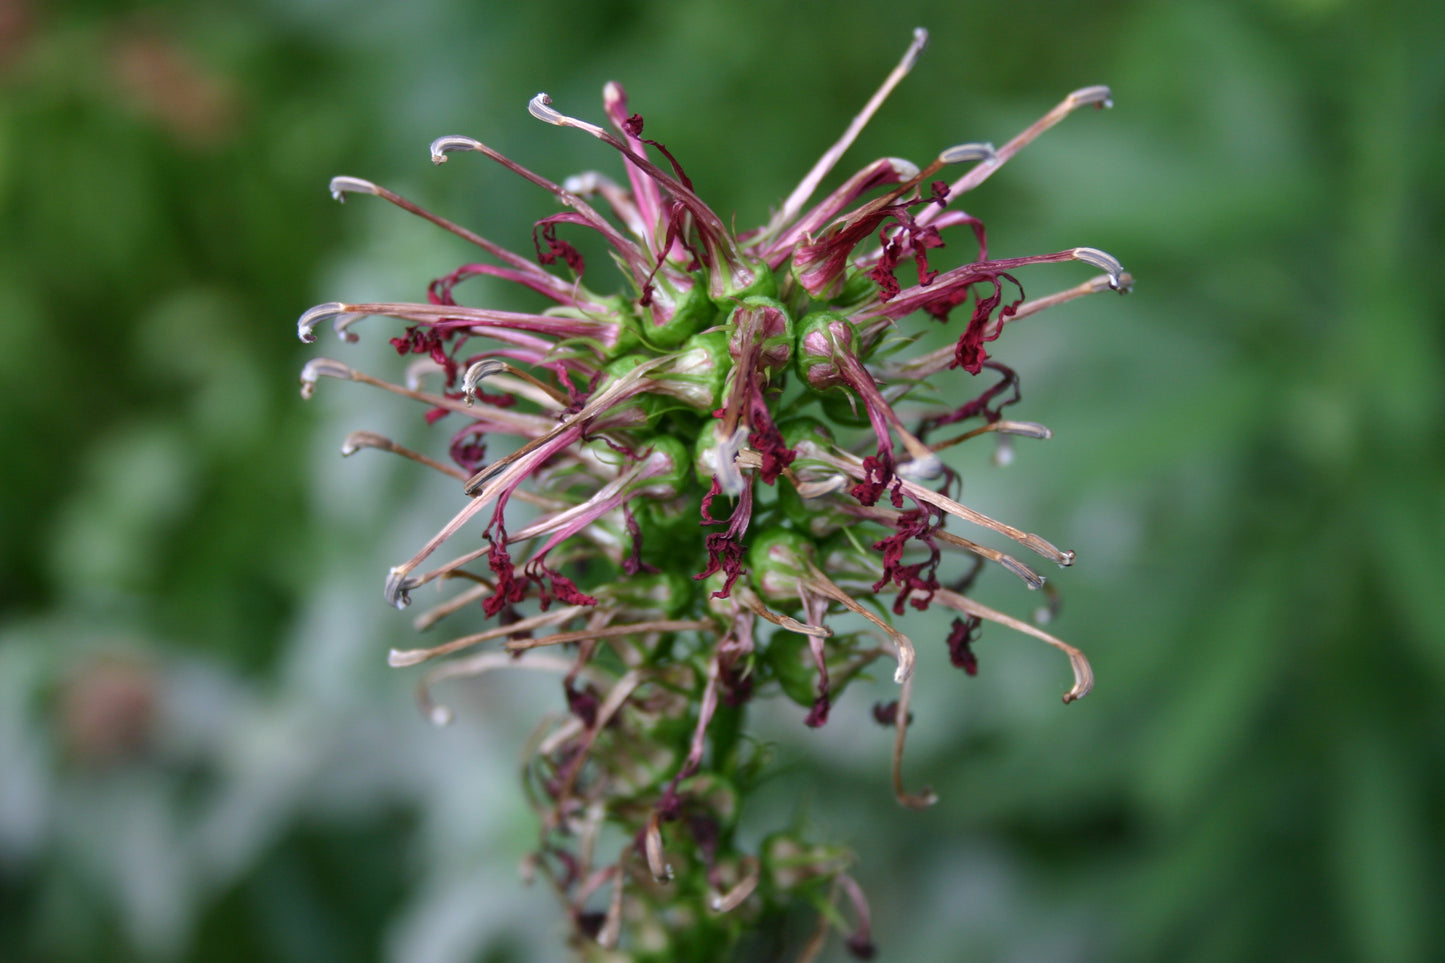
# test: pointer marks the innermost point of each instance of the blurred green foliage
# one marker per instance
(1248, 456)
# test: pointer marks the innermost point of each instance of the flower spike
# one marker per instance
(728, 479)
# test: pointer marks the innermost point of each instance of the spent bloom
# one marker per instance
(670, 495)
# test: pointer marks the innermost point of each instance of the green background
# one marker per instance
(202, 754)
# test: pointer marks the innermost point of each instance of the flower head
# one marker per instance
(682, 485)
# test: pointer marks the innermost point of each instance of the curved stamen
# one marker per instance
(1097, 95)
(715, 235)
(634, 256)
(525, 272)
(358, 440)
(1083, 673)
(398, 658)
(441, 715)
(831, 156)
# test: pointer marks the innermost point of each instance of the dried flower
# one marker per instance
(725, 444)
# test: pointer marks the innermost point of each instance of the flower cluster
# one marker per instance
(690, 480)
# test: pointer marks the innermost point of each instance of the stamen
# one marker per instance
(903, 646)
(358, 440)
(442, 715)
(847, 369)
(1083, 673)
(748, 598)
(1031, 578)
(831, 156)
(1079, 98)
(890, 517)
(714, 234)
(1028, 429)
(900, 735)
(920, 367)
(399, 658)
(613, 631)
(1032, 542)
(635, 258)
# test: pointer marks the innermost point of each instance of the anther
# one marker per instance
(910, 56)
(587, 184)
(306, 324)
(318, 368)
(541, 108)
(652, 844)
(341, 186)
(419, 369)
(1098, 94)
(924, 468)
(1105, 262)
(478, 373)
(445, 145)
(358, 440)
(398, 587)
(963, 153)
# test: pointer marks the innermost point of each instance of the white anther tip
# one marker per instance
(341, 186)
(401, 658)
(1107, 263)
(445, 145)
(318, 368)
(1098, 94)
(397, 588)
(306, 325)
(921, 469)
(478, 373)
(963, 153)
(440, 716)
(540, 107)
(358, 440)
